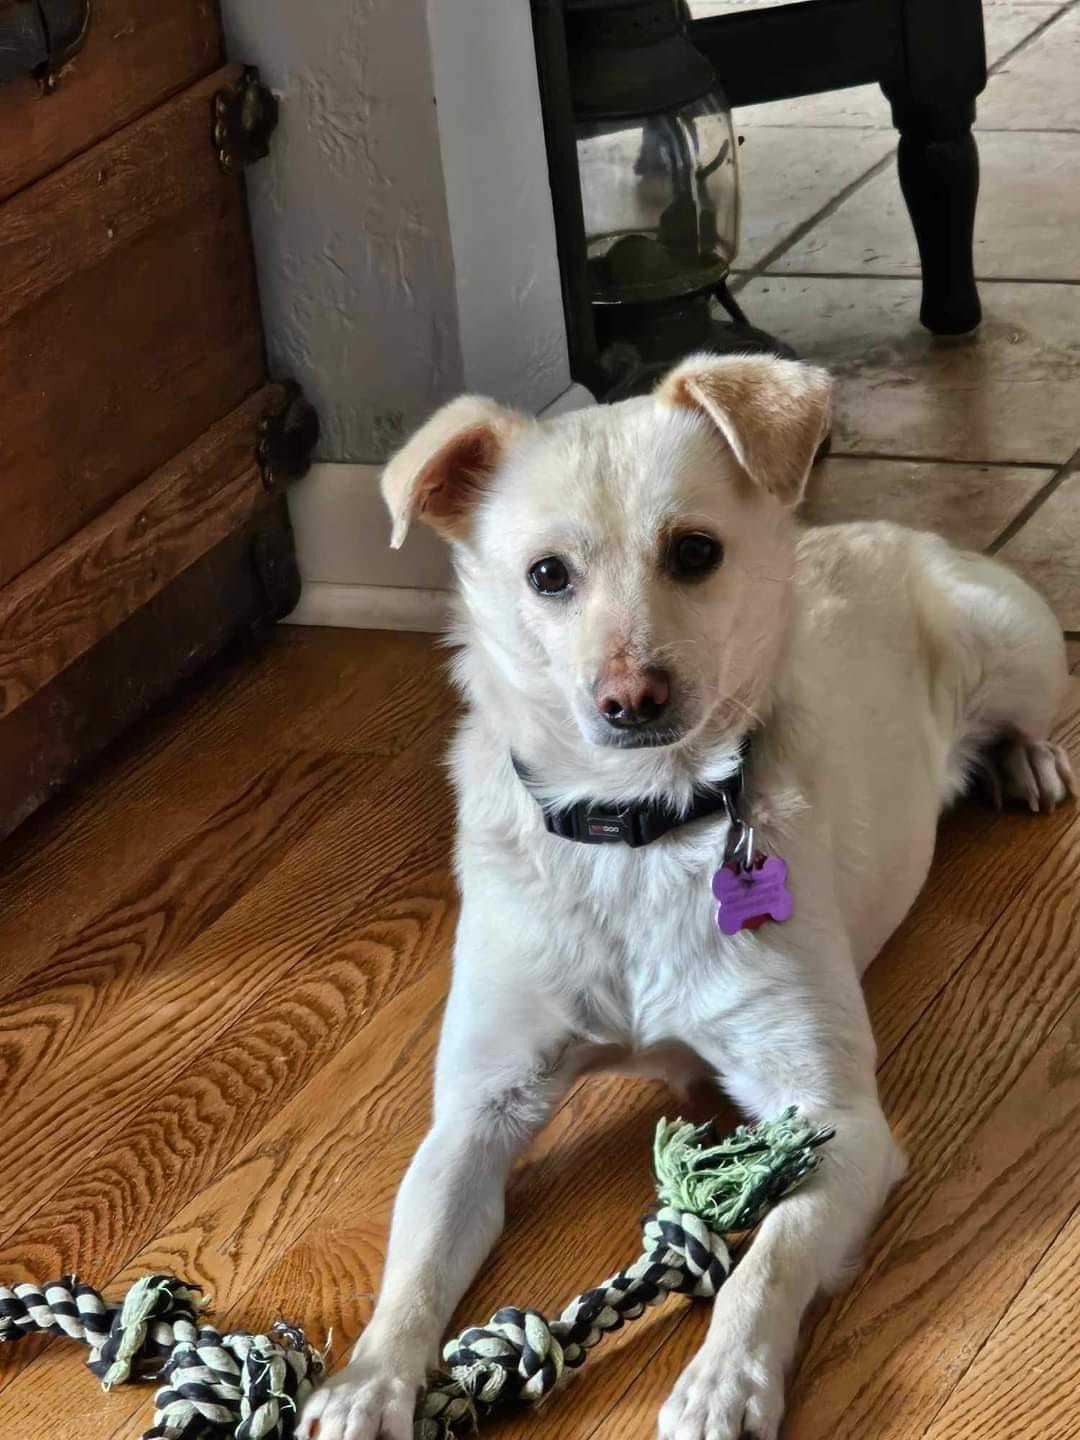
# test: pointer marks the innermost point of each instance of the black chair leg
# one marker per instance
(939, 174)
(938, 69)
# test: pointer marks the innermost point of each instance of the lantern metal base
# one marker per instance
(639, 342)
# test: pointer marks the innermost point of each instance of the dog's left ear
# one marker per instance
(773, 413)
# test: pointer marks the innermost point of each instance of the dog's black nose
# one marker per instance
(628, 697)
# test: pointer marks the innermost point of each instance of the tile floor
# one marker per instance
(978, 438)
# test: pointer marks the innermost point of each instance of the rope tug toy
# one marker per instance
(245, 1387)
(252, 1387)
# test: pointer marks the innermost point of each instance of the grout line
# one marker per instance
(831, 206)
(751, 127)
(890, 275)
(1051, 465)
(1022, 130)
(805, 226)
(1024, 514)
(1031, 36)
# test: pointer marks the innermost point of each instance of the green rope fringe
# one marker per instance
(731, 1182)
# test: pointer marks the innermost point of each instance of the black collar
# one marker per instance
(598, 822)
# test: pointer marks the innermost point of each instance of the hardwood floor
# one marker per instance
(224, 959)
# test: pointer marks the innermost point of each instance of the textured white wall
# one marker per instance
(402, 222)
(352, 238)
(510, 317)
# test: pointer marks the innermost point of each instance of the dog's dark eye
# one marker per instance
(549, 576)
(693, 555)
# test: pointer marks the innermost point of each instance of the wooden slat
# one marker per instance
(86, 1028)
(55, 611)
(941, 1290)
(176, 1133)
(973, 879)
(66, 723)
(137, 53)
(189, 1132)
(172, 775)
(132, 325)
(77, 217)
(375, 1087)
(327, 1278)
(1025, 1375)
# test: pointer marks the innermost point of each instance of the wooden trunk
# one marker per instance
(143, 521)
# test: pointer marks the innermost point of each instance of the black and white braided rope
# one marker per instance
(63, 1307)
(521, 1357)
(709, 1188)
(215, 1387)
(247, 1386)
(129, 1341)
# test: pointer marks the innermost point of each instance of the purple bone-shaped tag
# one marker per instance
(747, 898)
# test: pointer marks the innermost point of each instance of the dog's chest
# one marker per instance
(640, 926)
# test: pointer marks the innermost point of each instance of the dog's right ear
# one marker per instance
(772, 413)
(440, 473)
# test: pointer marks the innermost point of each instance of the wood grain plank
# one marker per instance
(123, 964)
(376, 1087)
(182, 765)
(1025, 1376)
(90, 1044)
(342, 1244)
(137, 53)
(579, 1167)
(597, 1145)
(903, 1344)
(312, 667)
(59, 608)
(974, 877)
(191, 1129)
(183, 342)
(633, 1399)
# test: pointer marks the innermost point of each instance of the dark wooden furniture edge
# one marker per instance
(245, 583)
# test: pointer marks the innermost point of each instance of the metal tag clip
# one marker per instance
(741, 844)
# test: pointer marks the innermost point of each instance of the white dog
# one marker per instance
(641, 618)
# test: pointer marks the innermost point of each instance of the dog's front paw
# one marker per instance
(727, 1392)
(368, 1400)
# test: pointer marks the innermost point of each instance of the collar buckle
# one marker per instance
(603, 826)
(593, 825)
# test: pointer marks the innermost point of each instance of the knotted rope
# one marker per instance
(216, 1387)
(709, 1191)
(252, 1387)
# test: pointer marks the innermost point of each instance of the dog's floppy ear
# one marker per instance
(439, 474)
(773, 413)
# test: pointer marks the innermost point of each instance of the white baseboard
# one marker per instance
(351, 578)
(371, 607)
